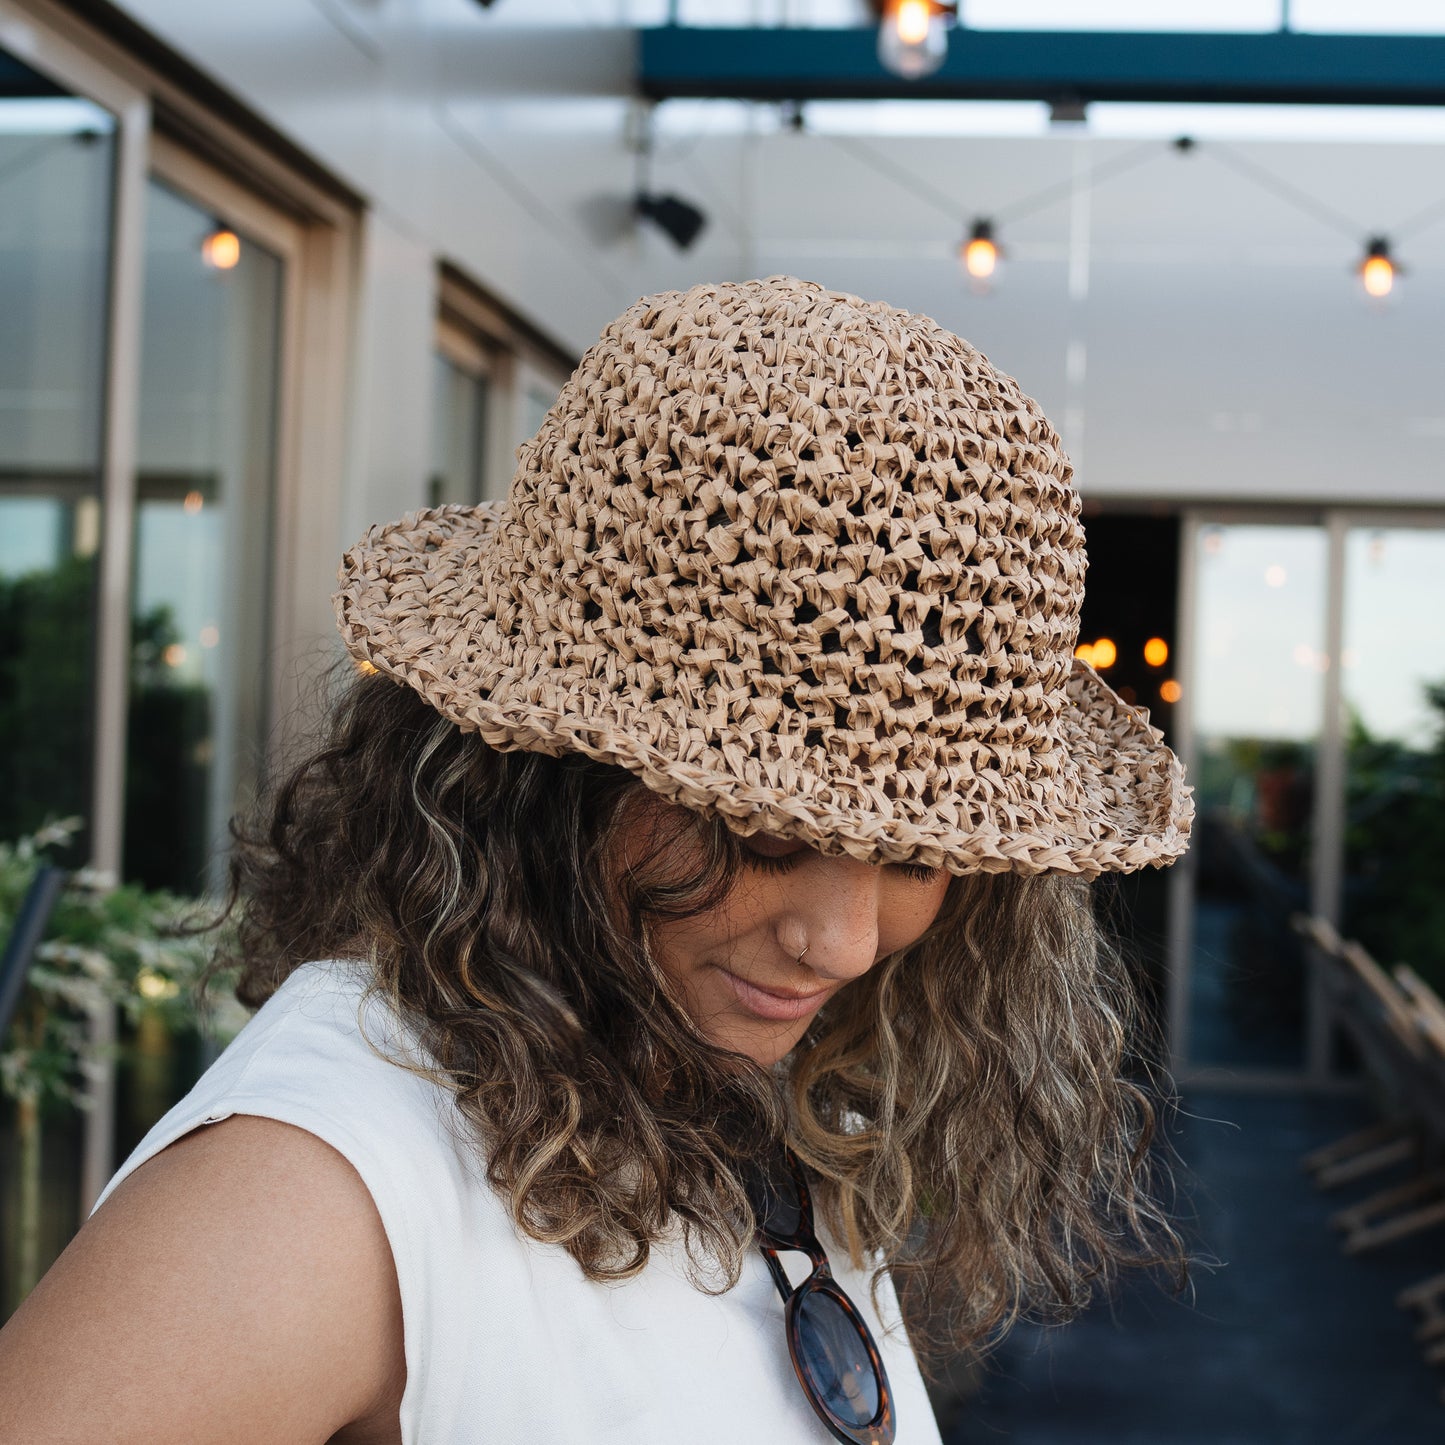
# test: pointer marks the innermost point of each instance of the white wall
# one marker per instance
(395, 327)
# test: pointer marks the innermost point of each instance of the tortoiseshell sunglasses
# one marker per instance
(833, 1351)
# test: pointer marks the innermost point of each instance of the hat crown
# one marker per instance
(821, 515)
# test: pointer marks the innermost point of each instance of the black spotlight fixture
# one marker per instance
(680, 221)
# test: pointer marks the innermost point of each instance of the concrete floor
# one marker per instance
(1287, 1342)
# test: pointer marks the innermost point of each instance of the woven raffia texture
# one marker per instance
(799, 560)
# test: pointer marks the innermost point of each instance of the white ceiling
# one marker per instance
(1220, 341)
(1193, 332)
(1213, 340)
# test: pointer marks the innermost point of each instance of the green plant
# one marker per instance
(106, 947)
(1395, 845)
(47, 689)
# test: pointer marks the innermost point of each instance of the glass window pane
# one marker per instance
(205, 495)
(1393, 687)
(1258, 689)
(459, 402)
(56, 162)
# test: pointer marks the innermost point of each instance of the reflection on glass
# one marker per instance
(1258, 695)
(1393, 688)
(210, 338)
(459, 405)
(56, 156)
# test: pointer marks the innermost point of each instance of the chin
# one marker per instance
(765, 1051)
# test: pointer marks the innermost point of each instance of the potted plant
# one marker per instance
(107, 946)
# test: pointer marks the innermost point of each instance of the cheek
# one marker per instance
(679, 948)
(909, 911)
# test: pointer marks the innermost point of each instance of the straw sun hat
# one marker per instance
(804, 562)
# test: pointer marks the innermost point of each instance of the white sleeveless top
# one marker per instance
(507, 1342)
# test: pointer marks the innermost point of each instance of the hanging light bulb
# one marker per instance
(221, 249)
(980, 252)
(912, 36)
(1378, 270)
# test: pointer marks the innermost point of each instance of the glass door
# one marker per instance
(57, 162)
(1392, 693)
(1255, 699)
(59, 165)
(461, 385)
(214, 347)
(1314, 732)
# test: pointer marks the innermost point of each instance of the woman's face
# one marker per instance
(794, 929)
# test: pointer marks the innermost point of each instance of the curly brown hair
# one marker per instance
(962, 1107)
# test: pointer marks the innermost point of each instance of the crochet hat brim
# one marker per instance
(1118, 802)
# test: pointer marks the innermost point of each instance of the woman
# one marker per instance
(731, 791)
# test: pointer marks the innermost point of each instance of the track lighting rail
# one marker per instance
(1278, 67)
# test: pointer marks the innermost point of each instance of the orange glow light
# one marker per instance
(174, 655)
(911, 20)
(1170, 690)
(193, 503)
(980, 257)
(1105, 653)
(1156, 652)
(221, 250)
(1378, 275)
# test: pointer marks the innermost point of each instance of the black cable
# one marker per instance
(920, 188)
(1301, 200)
(1418, 220)
(1251, 170)
(1060, 190)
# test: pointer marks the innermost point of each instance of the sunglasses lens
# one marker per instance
(835, 1359)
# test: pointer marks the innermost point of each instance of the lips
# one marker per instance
(774, 1005)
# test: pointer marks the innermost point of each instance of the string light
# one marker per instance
(1156, 652)
(221, 249)
(980, 254)
(1170, 691)
(912, 36)
(1378, 270)
(1098, 655)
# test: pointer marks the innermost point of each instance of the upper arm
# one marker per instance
(237, 1287)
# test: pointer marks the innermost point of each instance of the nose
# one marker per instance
(834, 914)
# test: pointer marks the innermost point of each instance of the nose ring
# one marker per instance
(804, 953)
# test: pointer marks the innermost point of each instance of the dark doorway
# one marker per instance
(1130, 605)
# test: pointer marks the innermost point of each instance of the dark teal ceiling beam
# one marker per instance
(1281, 66)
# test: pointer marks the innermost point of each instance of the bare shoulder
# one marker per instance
(237, 1287)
